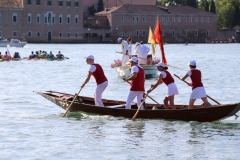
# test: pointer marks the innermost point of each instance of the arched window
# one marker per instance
(29, 18)
(60, 19)
(68, 19)
(76, 19)
(38, 18)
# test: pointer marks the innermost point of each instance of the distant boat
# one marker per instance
(12, 43)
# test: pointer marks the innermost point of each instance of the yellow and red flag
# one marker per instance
(151, 41)
(157, 37)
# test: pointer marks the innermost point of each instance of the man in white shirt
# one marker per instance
(124, 52)
(141, 52)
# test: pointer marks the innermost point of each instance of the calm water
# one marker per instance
(33, 128)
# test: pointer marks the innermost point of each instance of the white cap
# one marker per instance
(192, 63)
(160, 64)
(137, 43)
(133, 59)
(89, 57)
(119, 39)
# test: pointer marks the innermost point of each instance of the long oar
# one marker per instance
(207, 95)
(137, 56)
(72, 102)
(144, 93)
(135, 115)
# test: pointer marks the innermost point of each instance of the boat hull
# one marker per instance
(22, 44)
(125, 71)
(117, 109)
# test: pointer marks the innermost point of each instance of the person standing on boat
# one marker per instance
(198, 90)
(129, 40)
(124, 52)
(137, 83)
(97, 72)
(145, 51)
(166, 77)
(141, 52)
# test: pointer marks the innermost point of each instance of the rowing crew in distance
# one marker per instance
(46, 56)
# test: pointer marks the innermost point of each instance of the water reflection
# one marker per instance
(135, 129)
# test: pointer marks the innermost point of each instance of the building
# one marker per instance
(64, 21)
(178, 23)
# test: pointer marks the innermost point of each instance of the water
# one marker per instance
(33, 128)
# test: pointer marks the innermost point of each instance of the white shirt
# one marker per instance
(134, 69)
(92, 68)
(164, 74)
(125, 47)
(145, 49)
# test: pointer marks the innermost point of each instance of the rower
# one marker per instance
(137, 83)
(16, 55)
(198, 90)
(1, 55)
(124, 52)
(50, 55)
(60, 55)
(6, 56)
(101, 80)
(32, 55)
(166, 77)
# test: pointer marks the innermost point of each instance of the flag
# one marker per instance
(157, 36)
(151, 41)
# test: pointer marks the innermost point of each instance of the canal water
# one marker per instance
(33, 127)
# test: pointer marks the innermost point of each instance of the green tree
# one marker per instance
(206, 6)
(212, 7)
(100, 6)
(236, 17)
(91, 10)
(171, 2)
(192, 3)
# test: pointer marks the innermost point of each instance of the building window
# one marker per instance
(68, 3)
(14, 33)
(122, 34)
(60, 34)
(76, 34)
(76, 4)
(60, 19)
(202, 19)
(122, 18)
(144, 33)
(0, 33)
(76, 20)
(137, 33)
(53, 19)
(207, 33)
(167, 19)
(60, 3)
(68, 34)
(184, 19)
(162, 19)
(29, 18)
(49, 2)
(38, 18)
(68, 19)
(14, 17)
(144, 19)
(162, 31)
(173, 33)
(185, 33)
(133, 18)
(179, 19)
(207, 19)
(196, 32)
(29, 2)
(38, 2)
(137, 19)
(196, 19)
(38, 34)
(29, 34)
(45, 19)
(190, 19)
(173, 19)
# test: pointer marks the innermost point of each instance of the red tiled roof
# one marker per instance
(11, 4)
(140, 9)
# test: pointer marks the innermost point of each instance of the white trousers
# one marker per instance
(125, 59)
(98, 93)
(131, 96)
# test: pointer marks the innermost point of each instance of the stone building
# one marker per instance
(64, 21)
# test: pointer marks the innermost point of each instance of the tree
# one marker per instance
(192, 3)
(212, 7)
(236, 17)
(171, 2)
(206, 6)
(91, 10)
(100, 6)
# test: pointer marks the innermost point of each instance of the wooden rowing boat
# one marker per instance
(117, 108)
